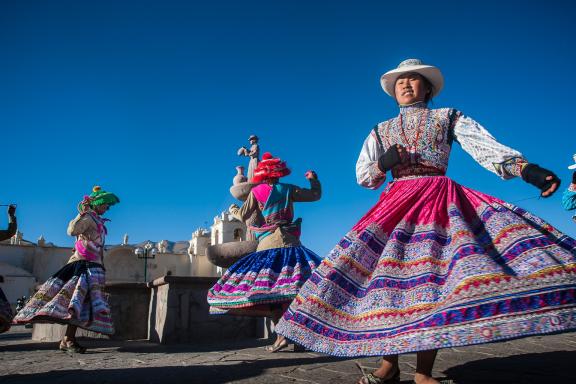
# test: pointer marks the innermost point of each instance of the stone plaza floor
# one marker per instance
(541, 359)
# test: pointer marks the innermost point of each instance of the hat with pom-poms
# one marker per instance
(98, 197)
(269, 168)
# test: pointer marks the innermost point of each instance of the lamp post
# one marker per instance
(148, 252)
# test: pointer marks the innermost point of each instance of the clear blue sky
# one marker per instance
(151, 99)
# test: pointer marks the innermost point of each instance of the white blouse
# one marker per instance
(473, 138)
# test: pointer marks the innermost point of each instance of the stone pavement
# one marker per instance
(547, 359)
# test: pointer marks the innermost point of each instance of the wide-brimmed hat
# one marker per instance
(433, 74)
(97, 197)
(269, 168)
(573, 166)
(253, 137)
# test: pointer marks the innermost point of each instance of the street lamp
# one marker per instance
(148, 252)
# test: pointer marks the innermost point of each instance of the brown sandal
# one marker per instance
(71, 346)
(277, 347)
(370, 378)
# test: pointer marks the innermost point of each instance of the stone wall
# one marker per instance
(179, 313)
(122, 265)
(169, 310)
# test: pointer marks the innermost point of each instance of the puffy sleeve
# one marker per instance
(483, 147)
(367, 172)
(569, 197)
(79, 225)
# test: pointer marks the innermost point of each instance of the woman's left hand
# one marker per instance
(546, 181)
(311, 175)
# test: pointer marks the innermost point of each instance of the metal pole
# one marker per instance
(145, 264)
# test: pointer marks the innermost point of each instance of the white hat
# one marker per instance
(388, 80)
(573, 166)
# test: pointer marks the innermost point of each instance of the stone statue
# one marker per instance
(162, 246)
(239, 178)
(253, 153)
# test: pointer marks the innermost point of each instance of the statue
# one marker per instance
(162, 246)
(253, 153)
(239, 178)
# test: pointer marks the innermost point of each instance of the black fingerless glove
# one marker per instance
(389, 159)
(536, 175)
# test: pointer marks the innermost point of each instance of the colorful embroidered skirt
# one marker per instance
(263, 281)
(5, 313)
(72, 296)
(433, 265)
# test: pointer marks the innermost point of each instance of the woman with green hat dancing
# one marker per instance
(73, 295)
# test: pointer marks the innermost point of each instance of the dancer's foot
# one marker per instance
(277, 346)
(392, 376)
(72, 346)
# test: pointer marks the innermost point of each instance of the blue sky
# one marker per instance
(151, 99)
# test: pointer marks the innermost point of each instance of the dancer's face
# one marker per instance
(410, 88)
(101, 209)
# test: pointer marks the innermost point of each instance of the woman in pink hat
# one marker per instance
(264, 283)
(435, 264)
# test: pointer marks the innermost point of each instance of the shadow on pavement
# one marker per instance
(27, 347)
(144, 346)
(139, 346)
(546, 367)
(214, 374)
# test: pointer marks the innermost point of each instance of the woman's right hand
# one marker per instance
(395, 155)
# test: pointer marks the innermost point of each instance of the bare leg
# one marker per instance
(424, 364)
(275, 319)
(69, 343)
(281, 341)
(387, 370)
(70, 334)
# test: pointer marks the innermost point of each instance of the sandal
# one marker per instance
(370, 378)
(277, 347)
(71, 346)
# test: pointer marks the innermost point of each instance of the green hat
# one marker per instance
(99, 197)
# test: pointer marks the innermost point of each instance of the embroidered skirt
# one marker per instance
(5, 313)
(263, 281)
(433, 265)
(71, 296)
